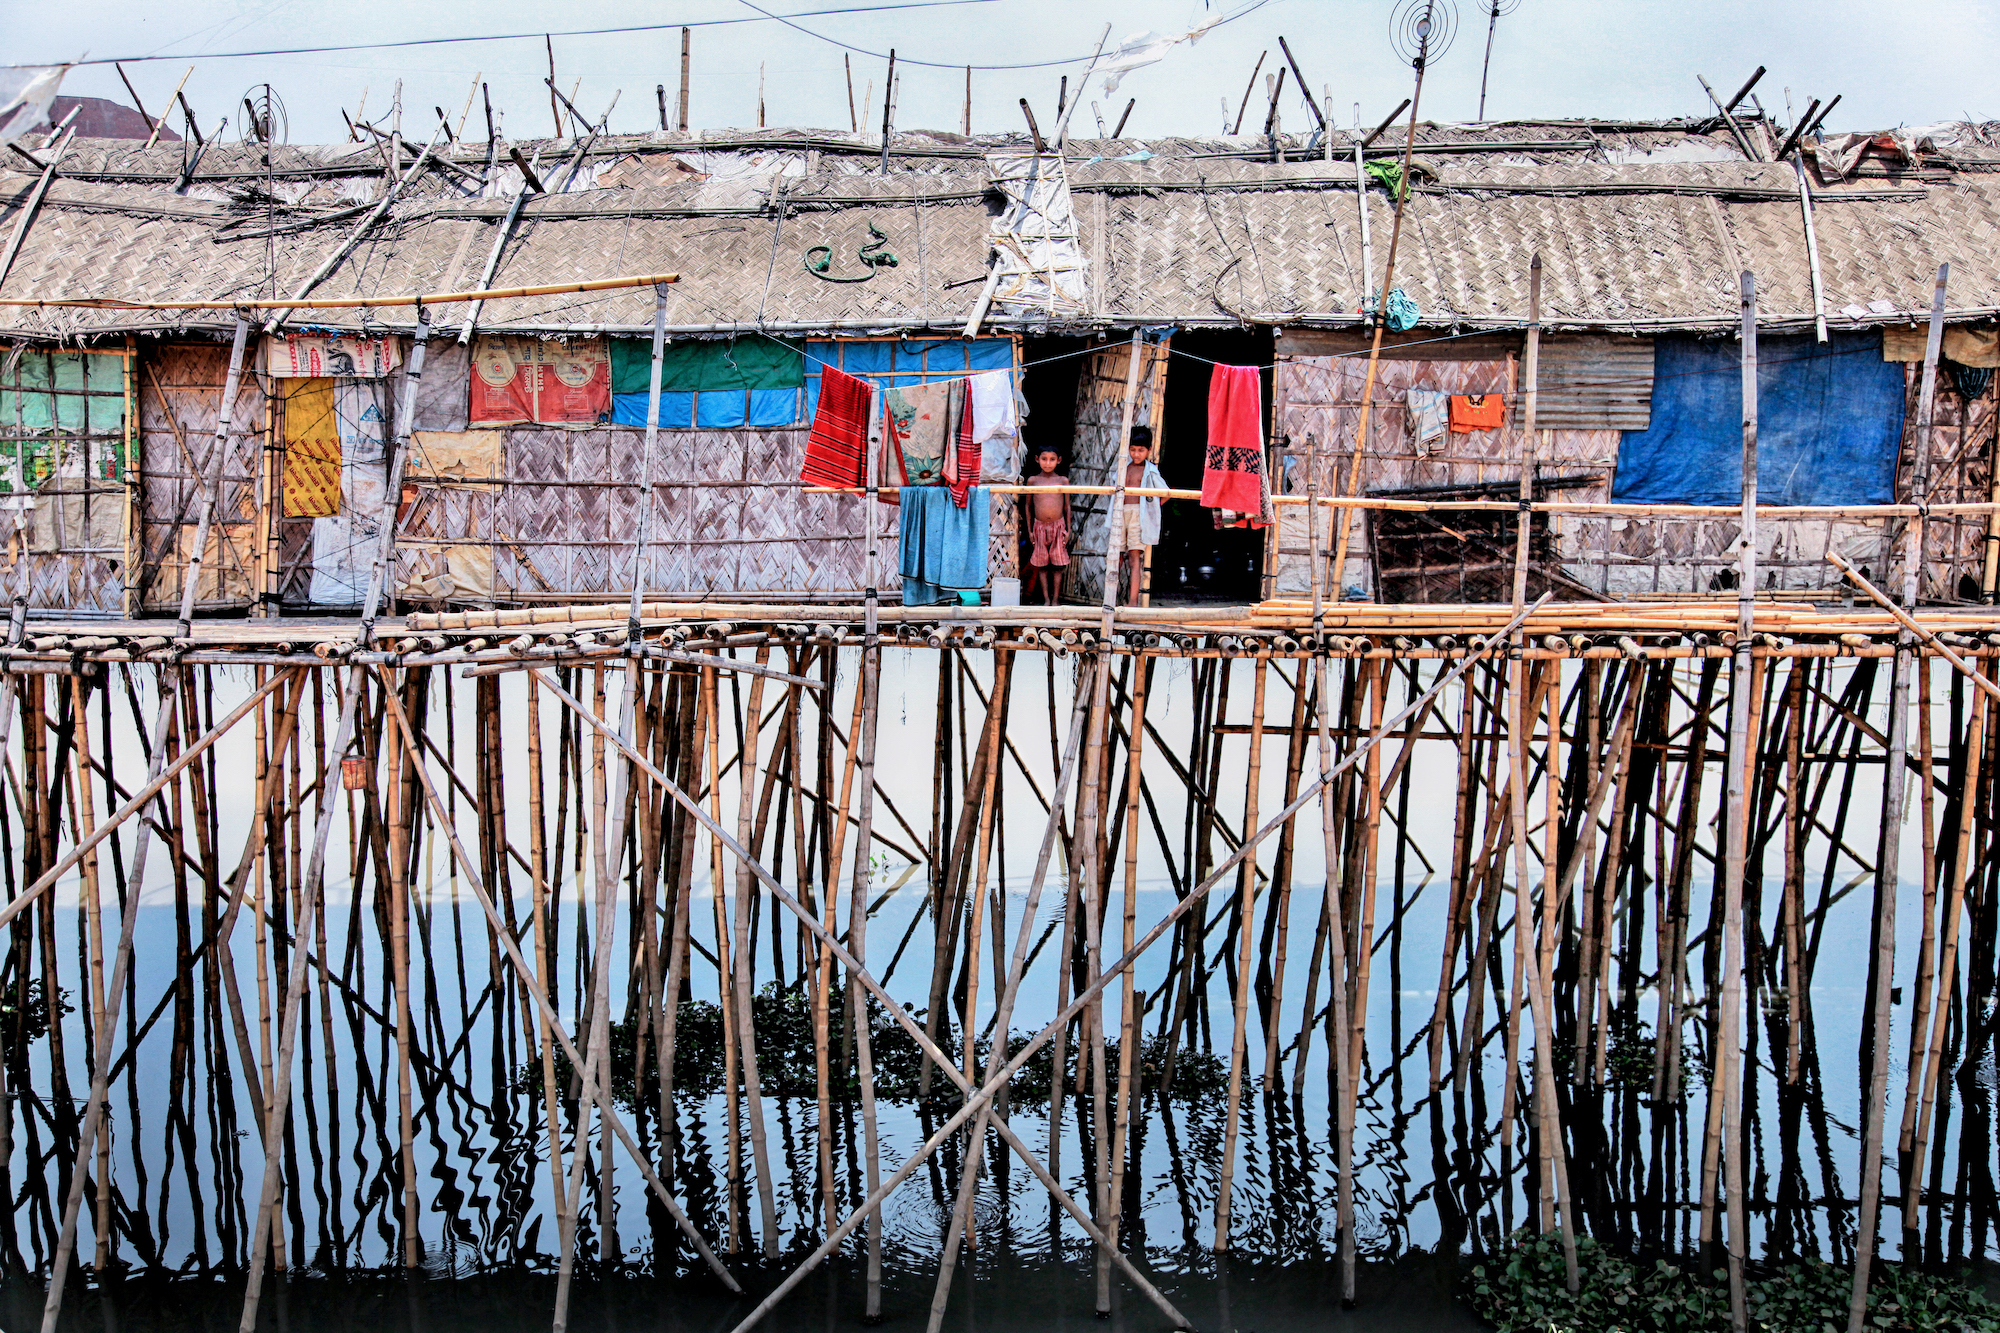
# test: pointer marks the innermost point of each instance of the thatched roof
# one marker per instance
(1641, 228)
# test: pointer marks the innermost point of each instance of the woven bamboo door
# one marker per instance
(1095, 456)
(180, 390)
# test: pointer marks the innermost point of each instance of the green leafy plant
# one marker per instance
(1525, 1292)
(1628, 1059)
(787, 1063)
(24, 1015)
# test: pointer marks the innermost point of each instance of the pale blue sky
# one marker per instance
(1911, 64)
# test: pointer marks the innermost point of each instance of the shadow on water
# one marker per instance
(1417, 1292)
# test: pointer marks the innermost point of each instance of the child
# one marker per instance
(1139, 516)
(1048, 529)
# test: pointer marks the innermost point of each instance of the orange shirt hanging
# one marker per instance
(1477, 411)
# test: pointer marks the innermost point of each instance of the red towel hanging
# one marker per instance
(837, 448)
(1232, 475)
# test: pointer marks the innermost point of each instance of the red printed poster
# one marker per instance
(575, 388)
(517, 381)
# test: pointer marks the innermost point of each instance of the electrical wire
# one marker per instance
(529, 36)
(959, 64)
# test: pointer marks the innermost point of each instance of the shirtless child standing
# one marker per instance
(1048, 530)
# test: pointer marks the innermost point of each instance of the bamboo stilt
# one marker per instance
(1928, 1058)
(1906, 661)
(982, 1096)
(746, 1028)
(976, 1098)
(1003, 1012)
(541, 980)
(1246, 889)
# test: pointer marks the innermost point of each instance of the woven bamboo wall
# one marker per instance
(1961, 472)
(1617, 556)
(563, 521)
(1318, 414)
(180, 392)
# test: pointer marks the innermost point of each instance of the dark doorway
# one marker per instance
(1195, 560)
(1049, 384)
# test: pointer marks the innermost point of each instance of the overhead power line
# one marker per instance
(526, 36)
(786, 19)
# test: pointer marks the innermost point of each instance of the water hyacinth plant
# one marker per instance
(1524, 1292)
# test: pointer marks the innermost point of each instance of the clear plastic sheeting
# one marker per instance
(26, 92)
(63, 453)
(344, 545)
(1039, 267)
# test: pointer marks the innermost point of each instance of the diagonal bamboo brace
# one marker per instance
(520, 965)
(978, 1098)
(867, 980)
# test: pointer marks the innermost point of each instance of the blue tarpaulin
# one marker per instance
(718, 409)
(710, 385)
(902, 363)
(1829, 424)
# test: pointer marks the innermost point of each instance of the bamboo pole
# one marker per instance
(540, 982)
(823, 985)
(1927, 1057)
(1246, 890)
(861, 741)
(982, 1096)
(1129, 1072)
(1530, 975)
(260, 877)
(1459, 907)
(1530, 370)
(1927, 943)
(1875, 1110)
(1278, 921)
(1741, 760)
(605, 1107)
(746, 1028)
(727, 959)
(1339, 1049)
(82, 805)
(350, 303)
(1379, 309)
(1793, 922)
(1373, 684)
(646, 498)
(399, 965)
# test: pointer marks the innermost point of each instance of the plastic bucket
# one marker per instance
(1006, 591)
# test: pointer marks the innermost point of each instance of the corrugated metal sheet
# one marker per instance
(1592, 384)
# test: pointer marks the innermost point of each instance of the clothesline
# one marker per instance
(1573, 507)
(1020, 488)
(928, 378)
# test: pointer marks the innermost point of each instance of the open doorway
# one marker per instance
(1195, 560)
(1069, 391)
